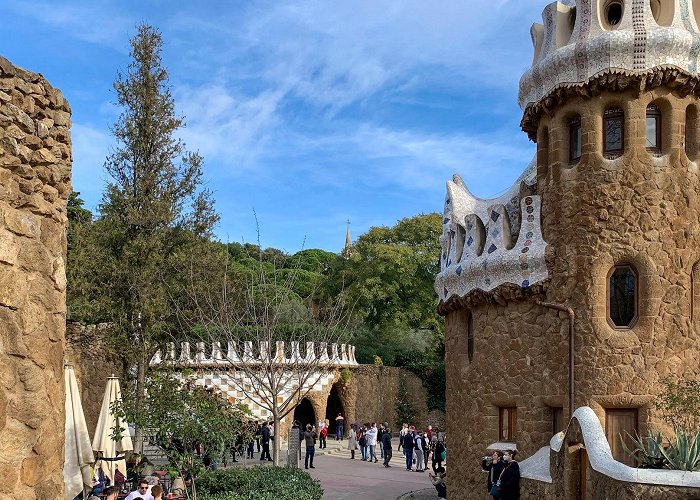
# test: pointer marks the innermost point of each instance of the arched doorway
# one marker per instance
(304, 413)
(334, 406)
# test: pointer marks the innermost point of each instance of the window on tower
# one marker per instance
(653, 129)
(622, 296)
(613, 133)
(575, 139)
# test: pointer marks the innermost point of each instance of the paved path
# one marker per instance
(342, 478)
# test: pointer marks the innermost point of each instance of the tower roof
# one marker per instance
(579, 43)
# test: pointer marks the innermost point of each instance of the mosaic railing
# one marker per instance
(247, 353)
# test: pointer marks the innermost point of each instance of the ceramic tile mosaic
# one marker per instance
(485, 244)
(637, 44)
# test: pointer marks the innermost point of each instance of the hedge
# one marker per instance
(258, 483)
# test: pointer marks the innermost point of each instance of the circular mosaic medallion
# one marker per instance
(525, 250)
(528, 201)
(531, 218)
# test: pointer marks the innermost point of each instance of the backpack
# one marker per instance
(363, 440)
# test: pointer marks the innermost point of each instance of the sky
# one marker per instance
(307, 113)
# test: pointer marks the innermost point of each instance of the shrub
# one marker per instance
(258, 483)
(679, 405)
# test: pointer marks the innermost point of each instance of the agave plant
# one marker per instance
(684, 452)
(648, 450)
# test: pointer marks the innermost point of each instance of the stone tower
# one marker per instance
(603, 227)
(35, 169)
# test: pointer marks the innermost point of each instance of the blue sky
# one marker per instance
(308, 112)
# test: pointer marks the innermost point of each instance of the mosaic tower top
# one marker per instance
(579, 43)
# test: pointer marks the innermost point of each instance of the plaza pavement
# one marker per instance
(342, 478)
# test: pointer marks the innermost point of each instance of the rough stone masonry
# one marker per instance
(35, 181)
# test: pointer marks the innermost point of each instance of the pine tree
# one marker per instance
(154, 207)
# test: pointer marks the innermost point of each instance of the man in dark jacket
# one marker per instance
(386, 444)
(408, 444)
(310, 442)
(510, 478)
(265, 438)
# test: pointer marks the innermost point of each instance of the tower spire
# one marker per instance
(348, 241)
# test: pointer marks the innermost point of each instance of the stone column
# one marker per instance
(293, 447)
(35, 169)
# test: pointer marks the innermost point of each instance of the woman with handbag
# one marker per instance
(494, 466)
(508, 484)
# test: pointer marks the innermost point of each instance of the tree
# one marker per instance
(389, 279)
(265, 311)
(177, 414)
(153, 206)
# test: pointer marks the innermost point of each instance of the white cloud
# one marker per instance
(94, 21)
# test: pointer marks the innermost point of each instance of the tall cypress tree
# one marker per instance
(153, 208)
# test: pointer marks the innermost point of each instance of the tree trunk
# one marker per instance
(277, 439)
(140, 394)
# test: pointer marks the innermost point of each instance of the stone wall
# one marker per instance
(377, 389)
(637, 209)
(94, 361)
(35, 169)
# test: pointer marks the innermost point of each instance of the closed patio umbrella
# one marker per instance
(78, 453)
(102, 442)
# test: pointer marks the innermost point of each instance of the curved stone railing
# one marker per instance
(246, 353)
(537, 467)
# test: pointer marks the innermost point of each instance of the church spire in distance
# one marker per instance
(348, 242)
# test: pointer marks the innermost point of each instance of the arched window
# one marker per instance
(622, 296)
(613, 133)
(574, 139)
(470, 336)
(653, 129)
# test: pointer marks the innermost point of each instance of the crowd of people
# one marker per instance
(418, 448)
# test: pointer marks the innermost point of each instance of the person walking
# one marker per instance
(494, 466)
(339, 427)
(310, 442)
(265, 435)
(408, 443)
(509, 481)
(258, 434)
(419, 447)
(322, 437)
(386, 444)
(402, 434)
(363, 442)
(438, 452)
(352, 442)
(372, 434)
(380, 431)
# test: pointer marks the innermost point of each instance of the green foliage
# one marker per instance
(175, 416)
(683, 452)
(346, 375)
(389, 281)
(258, 483)
(405, 409)
(646, 450)
(378, 361)
(679, 405)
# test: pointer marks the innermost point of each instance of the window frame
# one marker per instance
(470, 337)
(512, 423)
(655, 113)
(613, 113)
(634, 319)
(575, 125)
(557, 411)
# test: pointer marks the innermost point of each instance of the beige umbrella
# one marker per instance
(106, 423)
(78, 453)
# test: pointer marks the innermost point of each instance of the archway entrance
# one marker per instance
(334, 406)
(304, 413)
